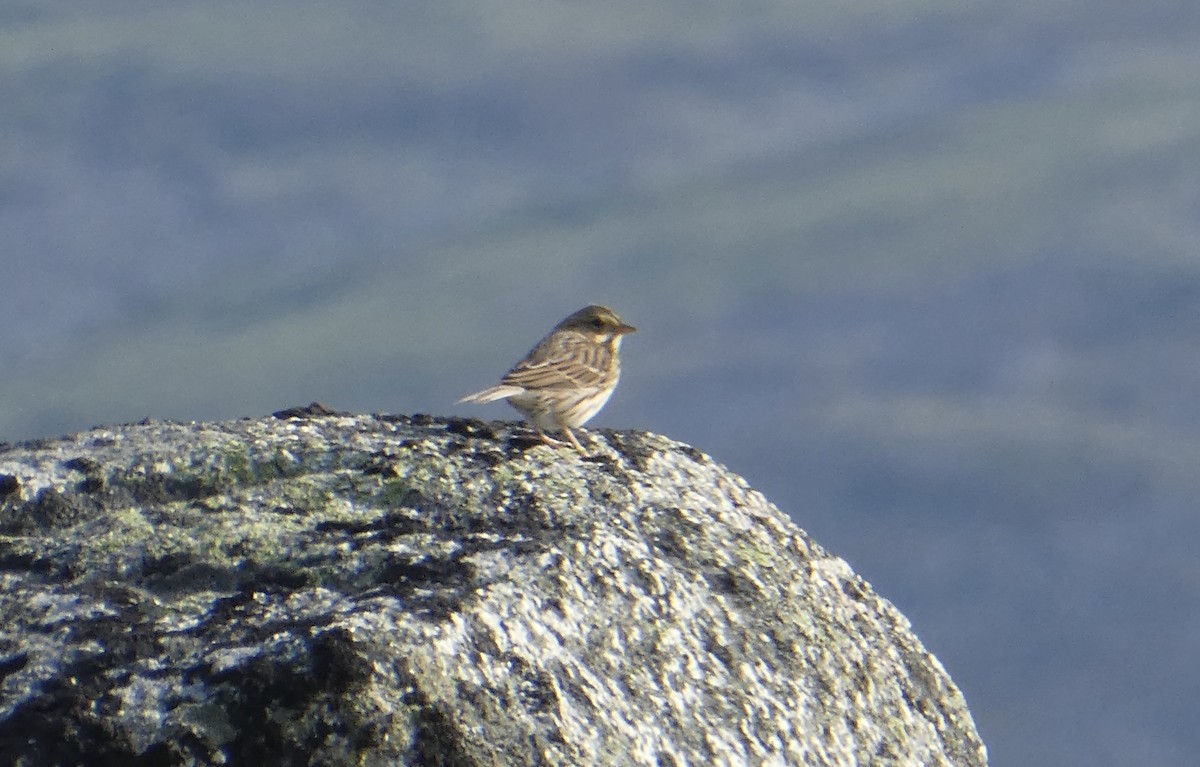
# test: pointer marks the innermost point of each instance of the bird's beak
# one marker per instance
(623, 329)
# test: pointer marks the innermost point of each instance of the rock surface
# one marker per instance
(337, 590)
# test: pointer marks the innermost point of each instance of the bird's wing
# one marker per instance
(562, 361)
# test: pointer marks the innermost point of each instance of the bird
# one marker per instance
(567, 377)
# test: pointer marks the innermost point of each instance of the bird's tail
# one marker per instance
(492, 394)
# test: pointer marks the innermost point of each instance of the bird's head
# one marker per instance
(599, 323)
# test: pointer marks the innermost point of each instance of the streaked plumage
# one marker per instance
(565, 380)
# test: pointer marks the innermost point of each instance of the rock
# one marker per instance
(338, 590)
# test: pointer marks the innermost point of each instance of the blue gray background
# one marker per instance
(926, 273)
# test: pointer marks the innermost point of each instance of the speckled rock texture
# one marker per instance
(323, 589)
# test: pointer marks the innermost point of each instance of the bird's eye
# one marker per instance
(598, 323)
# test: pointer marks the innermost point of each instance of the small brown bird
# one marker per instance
(565, 380)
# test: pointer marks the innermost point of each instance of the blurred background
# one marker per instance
(926, 273)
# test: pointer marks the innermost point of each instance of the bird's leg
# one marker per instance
(575, 442)
(552, 442)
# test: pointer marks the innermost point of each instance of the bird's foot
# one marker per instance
(552, 442)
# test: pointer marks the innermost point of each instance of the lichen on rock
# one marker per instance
(329, 589)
